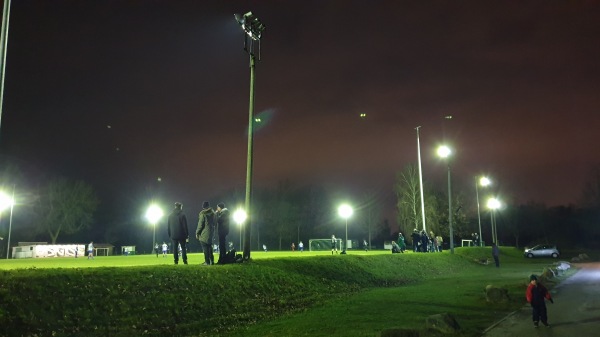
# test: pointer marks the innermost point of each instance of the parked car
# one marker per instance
(541, 251)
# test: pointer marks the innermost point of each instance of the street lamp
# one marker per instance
(253, 29)
(483, 181)
(493, 204)
(6, 202)
(153, 214)
(445, 152)
(239, 217)
(345, 211)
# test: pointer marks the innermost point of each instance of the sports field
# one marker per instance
(150, 260)
(277, 294)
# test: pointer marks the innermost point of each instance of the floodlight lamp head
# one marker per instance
(251, 25)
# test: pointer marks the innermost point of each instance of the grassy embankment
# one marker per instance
(317, 294)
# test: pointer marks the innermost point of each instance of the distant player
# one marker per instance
(301, 246)
(333, 244)
(164, 249)
(91, 250)
(265, 248)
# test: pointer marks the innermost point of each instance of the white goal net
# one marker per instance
(315, 245)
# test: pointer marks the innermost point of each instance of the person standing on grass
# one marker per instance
(401, 242)
(496, 254)
(416, 239)
(537, 295)
(293, 247)
(365, 245)
(333, 246)
(204, 232)
(91, 250)
(164, 249)
(424, 241)
(222, 230)
(301, 246)
(178, 232)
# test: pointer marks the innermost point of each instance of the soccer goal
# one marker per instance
(315, 245)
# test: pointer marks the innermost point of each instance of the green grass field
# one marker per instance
(147, 260)
(277, 294)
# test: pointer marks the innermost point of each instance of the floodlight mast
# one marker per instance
(253, 29)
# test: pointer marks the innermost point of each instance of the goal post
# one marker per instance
(315, 245)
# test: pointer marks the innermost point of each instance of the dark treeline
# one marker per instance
(287, 213)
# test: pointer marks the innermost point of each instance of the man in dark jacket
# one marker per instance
(222, 230)
(178, 232)
(416, 239)
(204, 232)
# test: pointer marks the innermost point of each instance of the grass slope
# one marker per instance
(315, 294)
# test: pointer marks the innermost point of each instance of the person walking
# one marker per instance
(333, 246)
(401, 242)
(439, 241)
(164, 249)
(222, 230)
(416, 239)
(177, 227)
(537, 295)
(91, 250)
(204, 232)
(496, 254)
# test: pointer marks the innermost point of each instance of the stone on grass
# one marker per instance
(547, 274)
(563, 266)
(495, 294)
(401, 332)
(444, 323)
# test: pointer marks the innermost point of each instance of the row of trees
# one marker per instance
(289, 213)
(517, 225)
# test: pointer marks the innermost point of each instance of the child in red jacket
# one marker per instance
(536, 295)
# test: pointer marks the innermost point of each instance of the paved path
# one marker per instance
(575, 312)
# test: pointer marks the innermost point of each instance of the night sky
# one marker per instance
(120, 93)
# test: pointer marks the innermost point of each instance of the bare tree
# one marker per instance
(591, 189)
(408, 194)
(65, 206)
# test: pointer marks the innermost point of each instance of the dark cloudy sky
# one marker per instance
(171, 79)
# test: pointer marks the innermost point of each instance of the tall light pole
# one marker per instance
(345, 211)
(3, 47)
(445, 152)
(253, 29)
(493, 204)
(5, 202)
(483, 181)
(239, 217)
(153, 214)
(421, 178)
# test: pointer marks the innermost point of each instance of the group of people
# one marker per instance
(426, 243)
(210, 223)
(475, 238)
(293, 246)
